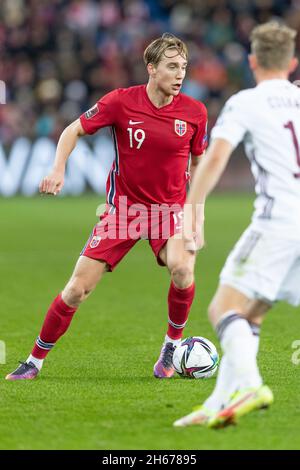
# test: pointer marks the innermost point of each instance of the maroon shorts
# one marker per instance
(113, 237)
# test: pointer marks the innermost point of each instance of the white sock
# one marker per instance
(239, 346)
(37, 362)
(255, 332)
(225, 386)
(256, 344)
(175, 342)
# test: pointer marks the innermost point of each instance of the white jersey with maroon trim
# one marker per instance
(267, 119)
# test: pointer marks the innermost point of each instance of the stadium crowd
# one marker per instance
(58, 57)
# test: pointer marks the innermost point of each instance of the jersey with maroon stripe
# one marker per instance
(152, 145)
(266, 119)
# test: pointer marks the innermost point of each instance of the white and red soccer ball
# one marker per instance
(196, 357)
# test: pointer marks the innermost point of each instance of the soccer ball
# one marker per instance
(196, 357)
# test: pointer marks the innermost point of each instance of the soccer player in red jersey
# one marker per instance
(159, 135)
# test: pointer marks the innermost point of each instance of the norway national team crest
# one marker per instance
(180, 127)
(95, 241)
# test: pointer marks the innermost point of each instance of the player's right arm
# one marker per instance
(102, 114)
(53, 183)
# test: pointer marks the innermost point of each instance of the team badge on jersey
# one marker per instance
(92, 111)
(180, 127)
(95, 241)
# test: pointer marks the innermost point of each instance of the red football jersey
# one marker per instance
(152, 145)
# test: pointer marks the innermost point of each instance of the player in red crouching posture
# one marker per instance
(159, 135)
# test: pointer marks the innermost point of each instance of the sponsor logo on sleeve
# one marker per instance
(92, 111)
(180, 127)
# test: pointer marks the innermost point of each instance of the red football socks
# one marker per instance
(56, 323)
(180, 302)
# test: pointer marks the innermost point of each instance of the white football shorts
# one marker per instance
(264, 266)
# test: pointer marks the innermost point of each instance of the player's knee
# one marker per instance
(182, 276)
(212, 313)
(75, 292)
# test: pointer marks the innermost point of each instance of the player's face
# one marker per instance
(170, 72)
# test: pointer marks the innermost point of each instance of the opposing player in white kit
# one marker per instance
(264, 266)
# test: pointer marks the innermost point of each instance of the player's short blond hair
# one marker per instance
(273, 44)
(165, 46)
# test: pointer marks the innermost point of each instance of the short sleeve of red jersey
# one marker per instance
(200, 140)
(102, 114)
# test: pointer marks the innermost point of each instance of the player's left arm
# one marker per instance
(231, 127)
(206, 176)
(199, 140)
(195, 160)
(209, 170)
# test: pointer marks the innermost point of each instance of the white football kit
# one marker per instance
(265, 262)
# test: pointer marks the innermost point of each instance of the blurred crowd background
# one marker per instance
(58, 57)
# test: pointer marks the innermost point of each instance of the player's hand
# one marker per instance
(193, 227)
(52, 183)
(195, 242)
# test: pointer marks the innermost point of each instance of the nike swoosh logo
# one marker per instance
(132, 123)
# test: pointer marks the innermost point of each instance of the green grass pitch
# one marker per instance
(96, 390)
